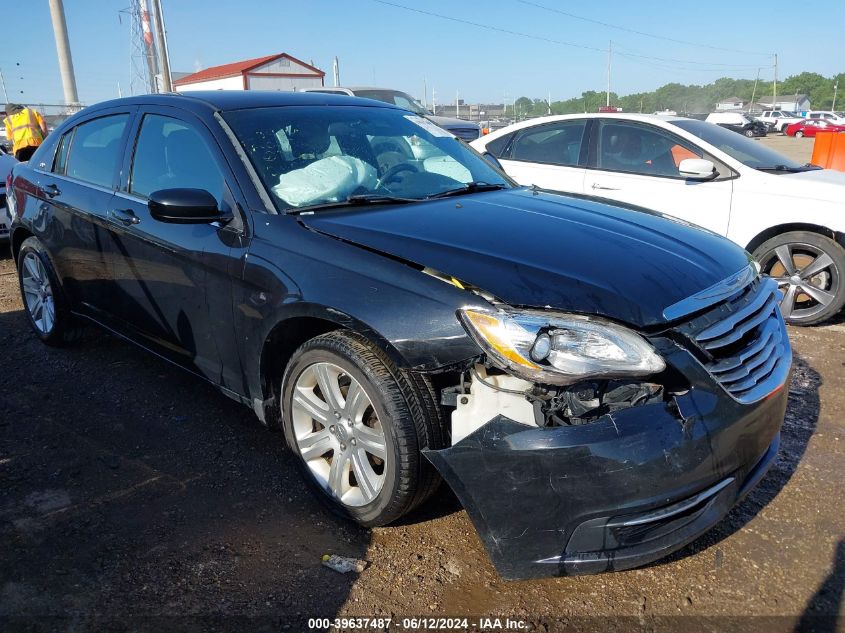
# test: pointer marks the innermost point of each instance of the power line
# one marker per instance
(491, 28)
(553, 41)
(636, 32)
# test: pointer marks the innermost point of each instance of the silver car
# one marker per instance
(466, 130)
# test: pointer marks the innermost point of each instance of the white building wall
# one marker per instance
(226, 83)
(285, 84)
(283, 65)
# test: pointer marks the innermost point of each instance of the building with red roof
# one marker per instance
(272, 72)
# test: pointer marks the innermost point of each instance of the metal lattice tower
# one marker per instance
(142, 60)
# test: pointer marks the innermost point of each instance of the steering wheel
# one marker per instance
(391, 173)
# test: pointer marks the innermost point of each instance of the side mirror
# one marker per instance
(697, 169)
(492, 160)
(185, 206)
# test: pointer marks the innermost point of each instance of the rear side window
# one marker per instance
(95, 151)
(171, 154)
(554, 144)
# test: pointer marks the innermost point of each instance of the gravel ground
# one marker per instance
(134, 497)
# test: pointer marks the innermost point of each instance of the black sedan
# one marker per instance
(598, 385)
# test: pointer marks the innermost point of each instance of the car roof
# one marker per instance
(354, 88)
(223, 100)
(622, 116)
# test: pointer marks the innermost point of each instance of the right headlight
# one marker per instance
(559, 349)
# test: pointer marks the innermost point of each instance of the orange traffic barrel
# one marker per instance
(829, 150)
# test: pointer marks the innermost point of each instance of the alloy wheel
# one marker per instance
(807, 277)
(338, 434)
(38, 293)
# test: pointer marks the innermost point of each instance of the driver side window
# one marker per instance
(641, 149)
(171, 154)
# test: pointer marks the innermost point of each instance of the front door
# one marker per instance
(173, 281)
(637, 163)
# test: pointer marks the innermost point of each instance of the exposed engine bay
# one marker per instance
(485, 393)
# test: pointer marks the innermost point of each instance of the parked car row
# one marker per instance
(404, 311)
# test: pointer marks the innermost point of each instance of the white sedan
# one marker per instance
(791, 217)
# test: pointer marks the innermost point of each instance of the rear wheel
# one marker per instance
(810, 270)
(44, 301)
(357, 424)
(749, 133)
(799, 134)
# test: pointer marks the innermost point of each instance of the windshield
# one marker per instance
(748, 152)
(394, 97)
(309, 156)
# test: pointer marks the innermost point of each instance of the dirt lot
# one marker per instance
(133, 497)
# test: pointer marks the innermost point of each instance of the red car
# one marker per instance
(811, 126)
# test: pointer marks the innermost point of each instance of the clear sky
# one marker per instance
(523, 51)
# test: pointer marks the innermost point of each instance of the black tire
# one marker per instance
(749, 133)
(64, 329)
(799, 134)
(406, 410)
(803, 249)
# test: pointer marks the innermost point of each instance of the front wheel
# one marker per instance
(749, 133)
(810, 270)
(799, 134)
(357, 424)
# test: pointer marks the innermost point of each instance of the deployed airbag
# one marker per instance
(328, 179)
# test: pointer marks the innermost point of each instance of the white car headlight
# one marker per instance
(559, 349)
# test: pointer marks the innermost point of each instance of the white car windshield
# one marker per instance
(335, 156)
(747, 151)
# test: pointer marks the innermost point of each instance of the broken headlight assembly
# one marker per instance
(559, 349)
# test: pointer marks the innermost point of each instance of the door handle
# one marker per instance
(51, 191)
(603, 188)
(126, 217)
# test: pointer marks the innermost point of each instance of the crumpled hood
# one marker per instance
(537, 249)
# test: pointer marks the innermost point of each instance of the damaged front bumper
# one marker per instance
(617, 493)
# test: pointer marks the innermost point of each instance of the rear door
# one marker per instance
(77, 187)
(637, 163)
(550, 155)
(173, 281)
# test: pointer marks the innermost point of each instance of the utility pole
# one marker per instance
(775, 90)
(550, 102)
(754, 92)
(433, 100)
(609, 68)
(149, 46)
(6, 94)
(161, 41)
(57, 14)
(425, 93)
(832, 106)
(457, 105)
(336, 71)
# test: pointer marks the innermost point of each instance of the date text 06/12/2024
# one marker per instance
(418, 623)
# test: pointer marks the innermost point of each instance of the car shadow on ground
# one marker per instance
(821, 615)
(134, 493)
(802, 415)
